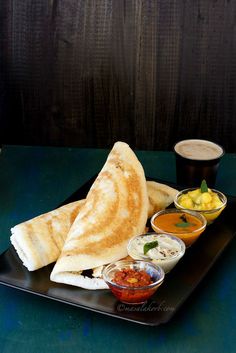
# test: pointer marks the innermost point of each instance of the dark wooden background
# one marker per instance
(90, 72)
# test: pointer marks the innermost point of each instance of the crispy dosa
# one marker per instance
(160, 196)
(26, 237)
(39, 241)
(115, 209)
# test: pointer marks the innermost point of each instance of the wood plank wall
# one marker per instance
(90, 72)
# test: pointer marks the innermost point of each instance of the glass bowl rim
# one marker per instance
(149, 286)
(185, 191)
(182, 210)
(178, 255)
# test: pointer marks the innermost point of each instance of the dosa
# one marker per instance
(39, 241)
(115, 209)
(160, 196)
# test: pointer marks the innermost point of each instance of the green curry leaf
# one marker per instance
(184, 224)
(149, 246)
(204, 187)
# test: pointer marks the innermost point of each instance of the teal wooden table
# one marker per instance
(34, 180)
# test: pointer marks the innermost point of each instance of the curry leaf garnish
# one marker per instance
(204, 187)
(184, 224)
(149, 246)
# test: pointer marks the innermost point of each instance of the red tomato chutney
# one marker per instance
(133, 280)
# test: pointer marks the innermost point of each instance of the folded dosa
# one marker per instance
(39, 241)
(160, 196)
(115, 210)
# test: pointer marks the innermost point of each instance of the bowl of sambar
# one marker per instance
(184, 224)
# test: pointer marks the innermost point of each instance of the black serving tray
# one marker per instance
(177, 287)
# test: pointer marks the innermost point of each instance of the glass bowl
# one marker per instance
(188, 234)
(211, 214)
(166, 254)
(133, 294)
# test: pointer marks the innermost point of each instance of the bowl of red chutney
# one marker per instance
(133, 282)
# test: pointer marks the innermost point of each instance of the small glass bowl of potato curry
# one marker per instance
(209, 202)
(184, 224)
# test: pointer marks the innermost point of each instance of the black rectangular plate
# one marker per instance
(177, 287)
